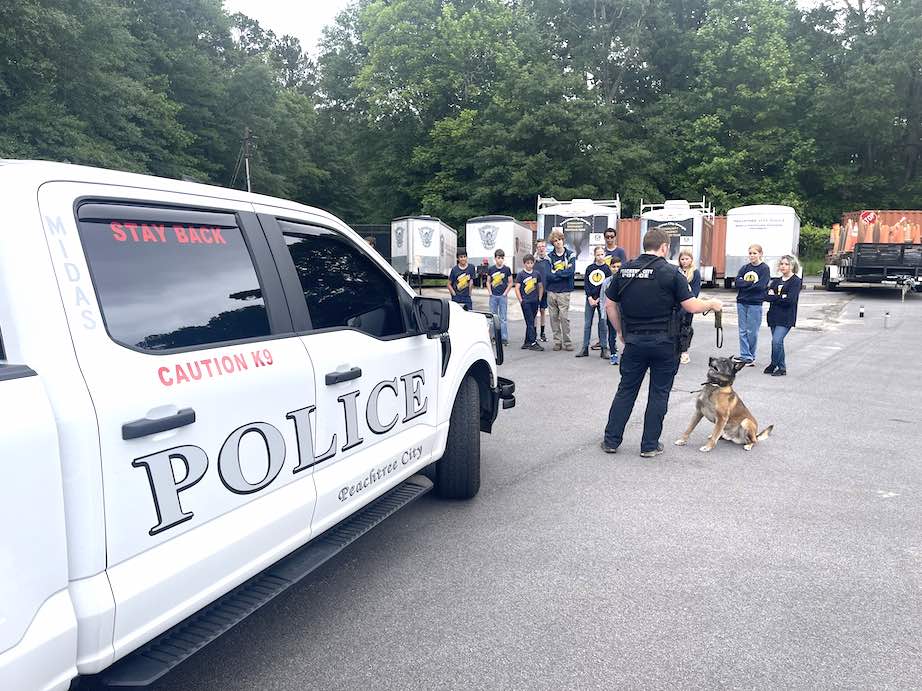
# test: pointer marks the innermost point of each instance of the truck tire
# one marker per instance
(457, 473)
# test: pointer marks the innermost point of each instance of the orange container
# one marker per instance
(891, 226)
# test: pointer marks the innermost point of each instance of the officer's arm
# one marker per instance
(697, 305)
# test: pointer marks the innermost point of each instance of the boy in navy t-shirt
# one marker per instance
(543, 267)
(500, 281)
(460, 280)
(529, 286)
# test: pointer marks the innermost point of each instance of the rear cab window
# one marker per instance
(170, 279)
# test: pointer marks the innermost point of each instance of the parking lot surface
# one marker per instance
(795, 565)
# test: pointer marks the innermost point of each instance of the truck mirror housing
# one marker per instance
(431, 315)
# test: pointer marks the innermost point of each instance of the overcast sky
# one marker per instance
(304, 20)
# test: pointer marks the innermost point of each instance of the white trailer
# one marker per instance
(776, 228)
(583, 222)
(486, 234)
(422, 245)
(689, 225)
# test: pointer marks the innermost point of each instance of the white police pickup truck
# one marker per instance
(204, 394)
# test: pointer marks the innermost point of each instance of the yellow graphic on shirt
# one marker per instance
(462, 281)
(497, 279)
(751, 277)
(530, 284)
(560, 265)
(596, 276)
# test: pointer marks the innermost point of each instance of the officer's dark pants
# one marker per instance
(640, 354)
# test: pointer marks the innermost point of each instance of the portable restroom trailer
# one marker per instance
(689, 225)
(422, 245)
(776, 228)
(486, 234)
(583, 222)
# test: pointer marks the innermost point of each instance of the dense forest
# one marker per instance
(463, 107)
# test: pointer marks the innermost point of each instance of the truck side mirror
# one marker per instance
(431, 315)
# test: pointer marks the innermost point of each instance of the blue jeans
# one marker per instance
(498, 307)
(640, 354)
(778, 334)
(588, 316)
(750, 319)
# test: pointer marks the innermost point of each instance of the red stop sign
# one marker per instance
(868, 217)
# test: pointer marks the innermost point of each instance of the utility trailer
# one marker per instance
(689, 225)
(583, 222)
(776, 228)
(880, 263)
(422, 246)
(486, 234)
(876, 248)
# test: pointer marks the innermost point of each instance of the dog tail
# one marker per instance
(761, 436)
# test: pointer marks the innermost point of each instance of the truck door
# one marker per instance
(375, 422)
(38, 630)
(184, 339)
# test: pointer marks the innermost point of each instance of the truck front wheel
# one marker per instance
(457, 473)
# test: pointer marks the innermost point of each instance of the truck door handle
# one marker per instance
(348, 375)
(146, 426)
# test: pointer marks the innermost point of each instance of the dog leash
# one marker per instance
(718, 326)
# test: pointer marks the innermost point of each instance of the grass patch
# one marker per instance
(813, 267)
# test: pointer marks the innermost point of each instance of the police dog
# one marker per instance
(720, 404)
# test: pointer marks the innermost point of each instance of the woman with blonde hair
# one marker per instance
(782, 311)
(687, 267)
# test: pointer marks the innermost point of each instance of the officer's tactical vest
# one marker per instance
(644, 277)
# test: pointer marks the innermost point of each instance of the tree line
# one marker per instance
(458, 108)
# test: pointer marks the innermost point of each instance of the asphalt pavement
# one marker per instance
(795, 565)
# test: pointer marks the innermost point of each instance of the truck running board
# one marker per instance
(150, 662)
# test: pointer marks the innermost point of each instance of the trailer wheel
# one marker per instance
(457, 473)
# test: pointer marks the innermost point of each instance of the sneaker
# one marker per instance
(614, 358)
(536, 346)
(505, 343)
(583, 353)
(543, 337)
(780, 372)
(557, 346)
(526, 346)
(595, 346)
(608, 449)
(750, 363)
(684, 359)
(568, 346)
(769, 370)
(650, 454)
(605, 354)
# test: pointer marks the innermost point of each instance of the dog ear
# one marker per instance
(738, 365)
(711, 361)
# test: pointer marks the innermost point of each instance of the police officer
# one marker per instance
(650, 293)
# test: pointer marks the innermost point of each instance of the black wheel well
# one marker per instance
(481, 373)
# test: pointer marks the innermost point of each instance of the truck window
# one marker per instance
(184, 282)
(342, 285)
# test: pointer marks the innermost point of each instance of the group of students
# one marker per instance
(545, 285)
(755, 286)
(547, 280)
